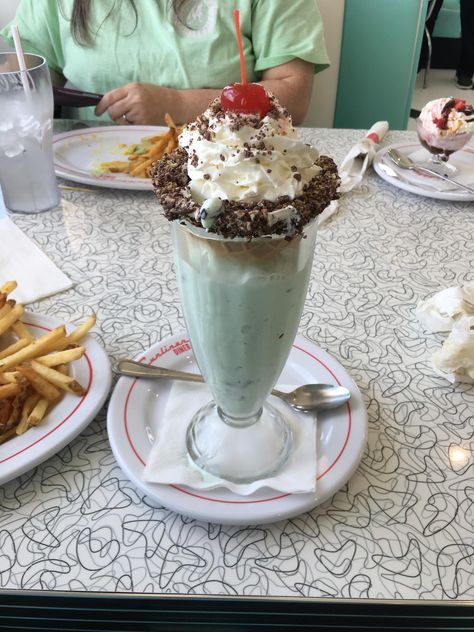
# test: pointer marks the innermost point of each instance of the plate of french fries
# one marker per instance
(117, 157)
(54, 378)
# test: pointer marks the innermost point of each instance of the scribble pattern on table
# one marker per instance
(403, 525)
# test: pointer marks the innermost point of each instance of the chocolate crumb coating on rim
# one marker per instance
(247, 218)
(243, 218)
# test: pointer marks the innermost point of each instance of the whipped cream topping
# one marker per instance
(447, 116)
(243, 158)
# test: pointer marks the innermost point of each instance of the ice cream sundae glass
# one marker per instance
(242, 193)
(444, 126)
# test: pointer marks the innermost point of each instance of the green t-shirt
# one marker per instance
(191, 47)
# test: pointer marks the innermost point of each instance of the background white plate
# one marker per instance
(79, 152)
(138, 403)
(69, 417)
(424, 184)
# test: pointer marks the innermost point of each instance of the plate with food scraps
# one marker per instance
(138, 406)
(87, 155)
(68, 417)
(422, 183)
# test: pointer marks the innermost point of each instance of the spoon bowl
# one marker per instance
(308, 398)
(311, 397)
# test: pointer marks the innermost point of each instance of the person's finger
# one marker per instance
(109, 99)
(120, 112)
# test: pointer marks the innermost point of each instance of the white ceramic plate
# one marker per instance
(77, 155)
(138, 403)
(69, 417)
(425, 184)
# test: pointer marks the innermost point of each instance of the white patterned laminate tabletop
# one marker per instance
(402, 528)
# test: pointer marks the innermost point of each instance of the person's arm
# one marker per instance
(146, 104)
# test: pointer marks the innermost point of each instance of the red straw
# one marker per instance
(239, 42)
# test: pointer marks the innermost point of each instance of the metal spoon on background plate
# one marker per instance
(308, 398)
(404, 162)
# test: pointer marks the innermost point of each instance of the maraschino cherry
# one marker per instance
(244, 98)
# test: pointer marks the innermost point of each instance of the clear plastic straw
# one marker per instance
(21, 60)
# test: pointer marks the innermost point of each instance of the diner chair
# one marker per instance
(447, 25)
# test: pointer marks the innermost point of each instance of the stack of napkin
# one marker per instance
(452, 311)
(22, 261)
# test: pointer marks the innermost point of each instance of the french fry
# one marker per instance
(59, 379)
(10, 377)
(6, 308)
(8, 287)
(169, 121)
(13, 348)
(37, 414)
(56, 358)
(9, 434)
(82, 330)
(9, 390)
(28, 406)
(40, 346)
(34, 372)
(21, 331)
(141, 156)
(43, 387)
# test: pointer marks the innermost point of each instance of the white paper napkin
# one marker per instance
(451, 310)
(464, 172)
(22, 261)
(168, 461)
(360, 157)
(355, 164)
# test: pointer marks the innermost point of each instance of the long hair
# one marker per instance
(80, 18)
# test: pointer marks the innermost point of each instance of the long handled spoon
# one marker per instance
(306, 398)
(404, 162)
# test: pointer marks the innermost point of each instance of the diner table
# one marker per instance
(399, 532)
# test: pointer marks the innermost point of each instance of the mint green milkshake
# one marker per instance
(242, 193)
(242, 304)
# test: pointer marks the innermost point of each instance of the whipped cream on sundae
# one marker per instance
(447, 116)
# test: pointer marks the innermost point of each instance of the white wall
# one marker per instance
(7, 12)
(323, 102)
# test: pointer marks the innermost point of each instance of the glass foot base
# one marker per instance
(236, 453)
(443, 168)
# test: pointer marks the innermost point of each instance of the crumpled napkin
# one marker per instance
(452, 311)
(22, 261)
(168, 462)
(353, 167)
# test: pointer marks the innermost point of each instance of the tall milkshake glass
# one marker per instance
(27, 175)
(242, 302)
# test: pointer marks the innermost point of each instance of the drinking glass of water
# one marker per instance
(27, 175)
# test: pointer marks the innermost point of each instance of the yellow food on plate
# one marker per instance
(142, 155)
(34, 372)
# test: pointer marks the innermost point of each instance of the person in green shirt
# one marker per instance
(150, 57)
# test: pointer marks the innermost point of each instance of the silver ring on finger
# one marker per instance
(126, 119)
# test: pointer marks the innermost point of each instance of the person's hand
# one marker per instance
(137, 103)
